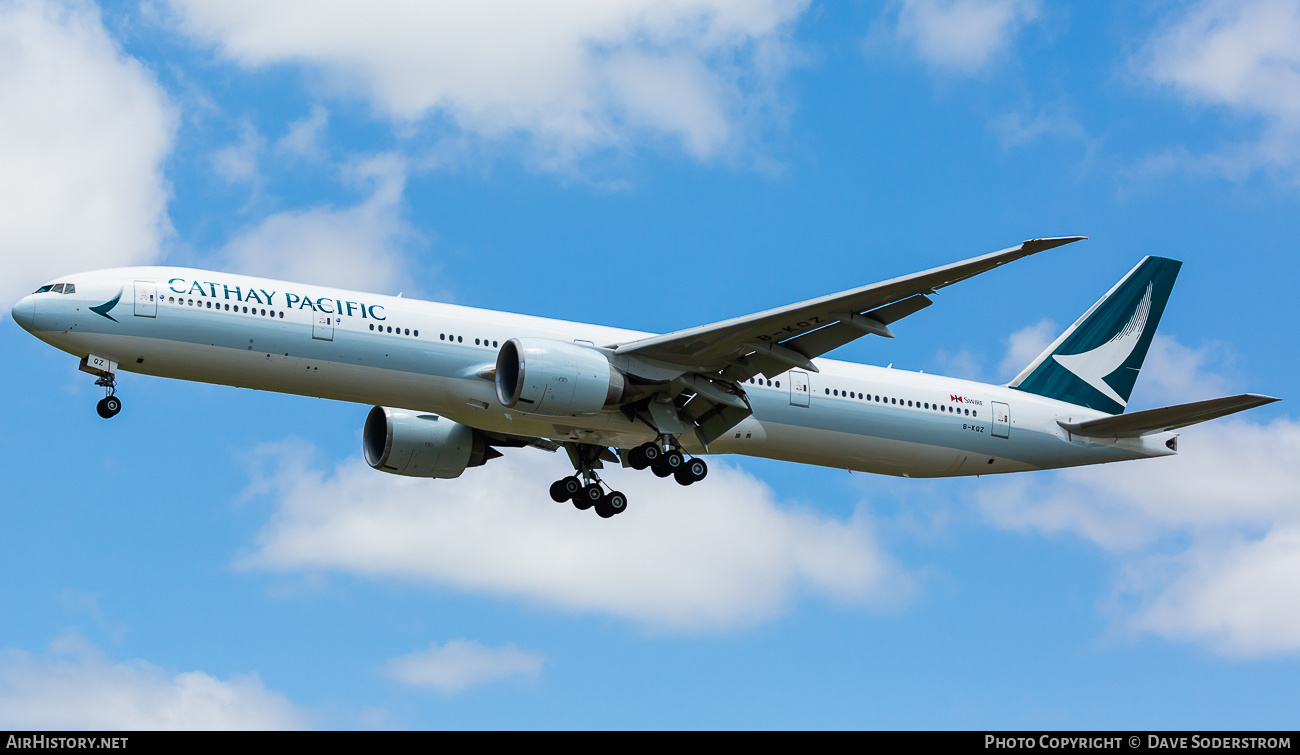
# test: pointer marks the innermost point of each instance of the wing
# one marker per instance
(772, 342)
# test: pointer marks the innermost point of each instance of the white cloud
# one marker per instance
(75, 687)
(1024, 345)
(1176, 374)
(962, 36)
(1205, 541)
(1241, 55)
(361, 247)
(238, 162)
(575, 75)
(718, 554)
(303, 138)
(84, 130)
(1242, 597)
(463, 663)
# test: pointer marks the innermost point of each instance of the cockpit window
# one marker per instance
(43, 289)
(69, 288)
(58, 288)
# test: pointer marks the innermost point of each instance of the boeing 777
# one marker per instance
(470, 381)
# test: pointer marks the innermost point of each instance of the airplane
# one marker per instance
(450, 385)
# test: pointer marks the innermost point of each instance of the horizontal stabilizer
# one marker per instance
(1166, 418)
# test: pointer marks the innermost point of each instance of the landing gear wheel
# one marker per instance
(672, 460)
(651, 453)
(565, 490)
(614, 503)
(636, 458)
(109, 407)
(589, 496)
(661, 471)
(691, 472)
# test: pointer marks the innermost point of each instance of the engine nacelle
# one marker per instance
(418, 444)
(555, 378)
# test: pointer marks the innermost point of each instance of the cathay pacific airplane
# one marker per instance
(470, 381)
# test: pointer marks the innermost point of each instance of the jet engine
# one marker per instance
(554, 378)
(418, 444)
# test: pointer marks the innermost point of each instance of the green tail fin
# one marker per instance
(1096, 361)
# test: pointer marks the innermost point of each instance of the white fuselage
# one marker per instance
(271, 335)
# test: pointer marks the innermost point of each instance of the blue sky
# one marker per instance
(216, 557)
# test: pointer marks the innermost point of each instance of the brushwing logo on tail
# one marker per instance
(1093, 366)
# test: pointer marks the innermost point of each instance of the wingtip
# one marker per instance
(1051, 242)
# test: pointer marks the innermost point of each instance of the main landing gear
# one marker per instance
(665, 459)
(587, 491)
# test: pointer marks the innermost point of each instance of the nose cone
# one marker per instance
(24, 312)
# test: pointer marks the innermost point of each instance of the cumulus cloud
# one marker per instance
(1024, 345)
(962, 36)
(362, 246)
(463, 663)
(73, 686)
(576, 75)
(1205, 542)
(1240, 55)
(84, 131)
(718, 554)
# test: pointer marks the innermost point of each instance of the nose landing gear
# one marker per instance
(109, 406)
(106, 378)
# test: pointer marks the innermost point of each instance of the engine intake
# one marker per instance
(554, 378)
(418, 444)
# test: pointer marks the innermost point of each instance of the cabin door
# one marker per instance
(1001, 420)
(798, 388)
(146, 299)
(323, 327)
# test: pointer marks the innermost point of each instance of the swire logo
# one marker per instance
(965, 400)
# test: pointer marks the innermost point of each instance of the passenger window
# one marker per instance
(417, 334)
